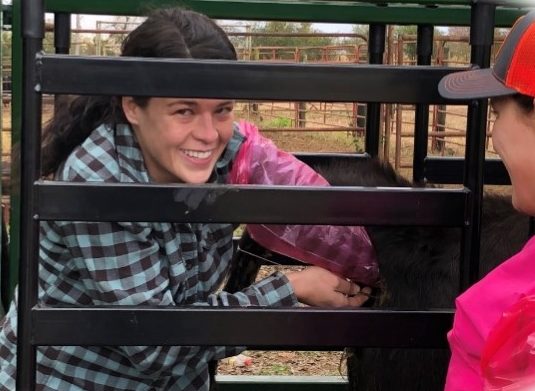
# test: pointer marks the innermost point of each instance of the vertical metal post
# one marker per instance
(424, 48)
(62, 40)
(62, 32)
(32, 13)
(376, 48)
(481, 38)
(389, 109)
(16, 126)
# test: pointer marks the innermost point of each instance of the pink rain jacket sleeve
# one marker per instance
(479, 309)
(346, 251)
(508, 358)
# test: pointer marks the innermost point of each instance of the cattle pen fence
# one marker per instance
(34, 199)
(447, 125)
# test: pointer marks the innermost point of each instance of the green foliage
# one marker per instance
(277, 122)
(287, 41)
(277, 370)
(358, 142)
(409, 49)
(6, 50)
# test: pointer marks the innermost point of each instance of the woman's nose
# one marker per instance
(206, 129)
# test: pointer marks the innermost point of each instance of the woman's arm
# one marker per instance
(123, 264)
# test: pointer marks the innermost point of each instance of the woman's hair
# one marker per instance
(524, 101)
(167, 32)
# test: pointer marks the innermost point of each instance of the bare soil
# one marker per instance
(288, 363)
(285, 363)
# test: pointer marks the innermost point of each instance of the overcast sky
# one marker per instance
(334, 27)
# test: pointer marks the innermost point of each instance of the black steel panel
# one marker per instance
(449, 170)
(313, 159)
(250, 204)
(30, 147)
(60, 74)
(280, 383)
(302, 328)
(481, 39)
(376, 48)
(424, 48)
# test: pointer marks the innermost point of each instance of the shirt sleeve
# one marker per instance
(273, 291)
(121, 264)
(464, 373)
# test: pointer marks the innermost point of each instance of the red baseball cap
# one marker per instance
(512, 73)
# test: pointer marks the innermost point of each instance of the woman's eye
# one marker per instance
(184, 112)
(225, 110)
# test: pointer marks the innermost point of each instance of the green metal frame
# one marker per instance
(436, 12)
(453, 12)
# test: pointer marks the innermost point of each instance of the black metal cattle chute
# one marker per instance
(302, 328)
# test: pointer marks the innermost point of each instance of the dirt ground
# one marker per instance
(284, 363)
(287, 363)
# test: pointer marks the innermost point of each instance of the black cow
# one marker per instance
(419, 270)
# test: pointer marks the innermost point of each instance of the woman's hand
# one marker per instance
(316, 286)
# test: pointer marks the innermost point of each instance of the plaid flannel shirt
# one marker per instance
(84, 263)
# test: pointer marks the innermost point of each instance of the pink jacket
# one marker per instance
(478, 311)
(344, 250)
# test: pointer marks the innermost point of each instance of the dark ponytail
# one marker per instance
(73, 121)
(168, 32)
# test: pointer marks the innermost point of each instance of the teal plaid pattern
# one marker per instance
(125, 263)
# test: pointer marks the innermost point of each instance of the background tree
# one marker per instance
(288, 41)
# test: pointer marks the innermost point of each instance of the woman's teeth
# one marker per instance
(197, 154)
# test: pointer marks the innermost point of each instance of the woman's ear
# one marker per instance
(130, 109)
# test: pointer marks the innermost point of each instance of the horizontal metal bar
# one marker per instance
(250, 204)
(306, 328)
(313, 159)
(455, 13)
(449, 170)
(435, 3)
(60, 74)
(281, 383)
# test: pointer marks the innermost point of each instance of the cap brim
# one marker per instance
(475, 84)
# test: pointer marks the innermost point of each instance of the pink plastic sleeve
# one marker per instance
(346, 251)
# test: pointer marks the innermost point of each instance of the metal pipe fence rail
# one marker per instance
(304, 114)
(268, 328)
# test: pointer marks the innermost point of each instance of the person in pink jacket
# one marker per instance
(511, 86)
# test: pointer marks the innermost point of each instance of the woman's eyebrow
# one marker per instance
(182, 102)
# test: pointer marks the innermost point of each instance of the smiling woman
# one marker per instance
(181, 140)
(157, 140)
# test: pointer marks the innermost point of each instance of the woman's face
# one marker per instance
(513, 137)
(181, 139)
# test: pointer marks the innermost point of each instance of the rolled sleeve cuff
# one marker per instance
(276, 291)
